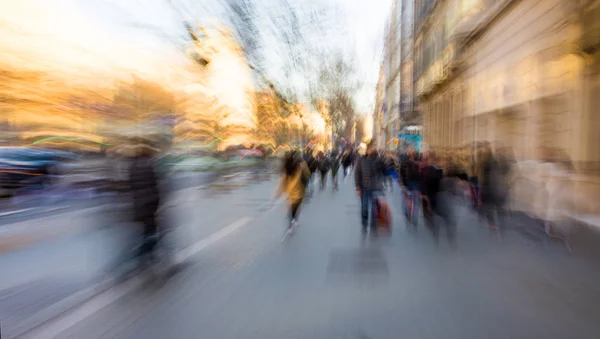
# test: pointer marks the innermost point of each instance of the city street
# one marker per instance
(45, 205)
(49, 257)
(325, 281)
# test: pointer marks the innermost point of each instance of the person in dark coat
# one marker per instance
(368, 178)
(146, 197)
(335, 166)
(347, 160)
(312, 164)
(409, 181)
(324, 165)
(494, 189)
(436, 193)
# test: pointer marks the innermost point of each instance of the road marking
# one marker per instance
(210, 240)
(234, 174)
(3, 214)
(55, 327)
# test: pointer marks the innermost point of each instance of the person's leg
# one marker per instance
(294, 208)
(501, 214)
(365, 200)
(449, 218)
(430, 223)
(149, 237)
(373, 209)
(406, 203)
(488, 214)
(414, 194)
(451, 230)
(292, 214)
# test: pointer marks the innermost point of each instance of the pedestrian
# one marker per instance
(368, 178)
(324, 166)
(436, 191)
(293, 184)
(390, 170)
(494, 188)
(146, 196)
(335, 166)
(312, 164)
(409, 180)
(346, 160)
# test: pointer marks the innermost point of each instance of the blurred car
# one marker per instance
(24, 167)
(213, 162)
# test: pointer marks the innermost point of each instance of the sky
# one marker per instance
(145, 34)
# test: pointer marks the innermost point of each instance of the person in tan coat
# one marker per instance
(294, 179)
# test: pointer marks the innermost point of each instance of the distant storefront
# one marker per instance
(410, 137)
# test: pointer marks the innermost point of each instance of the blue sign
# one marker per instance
(410, 140)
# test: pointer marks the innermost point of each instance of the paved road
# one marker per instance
(45, 260)
(327, 281)
(49, 204)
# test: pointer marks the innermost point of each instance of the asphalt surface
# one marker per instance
(328, 281)
(48, 204)
(47, 258)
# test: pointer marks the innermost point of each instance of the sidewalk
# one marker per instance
(327, 281)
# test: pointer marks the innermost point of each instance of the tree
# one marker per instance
(267, 117)
(283, 26)
(336, 86)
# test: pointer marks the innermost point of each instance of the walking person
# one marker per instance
(146, 196)
(409, 179)
(368, 178)
(346, 160)
(324, 165)
(390, 170)
(293, 183)
(335, 166)
(146, 200)
(312, 164)
(436, 193)
(494, 189)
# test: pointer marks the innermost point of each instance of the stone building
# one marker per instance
(409, 116)
(378, 111)
(398, 84)
(392, 73)
(522, 72)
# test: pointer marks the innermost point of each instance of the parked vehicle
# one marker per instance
(28, 167)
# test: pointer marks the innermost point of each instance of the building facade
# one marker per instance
(399, 110)
(409, 116)
(391, 120)
(520, 72)
(398, 64)
(378, 110)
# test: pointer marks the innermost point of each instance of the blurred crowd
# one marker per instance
(434, 182)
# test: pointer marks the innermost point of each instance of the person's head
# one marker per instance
(412, 154)
(290, 162)
(144, 151)
(430, 158)
(362, 149)
(371, 147)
